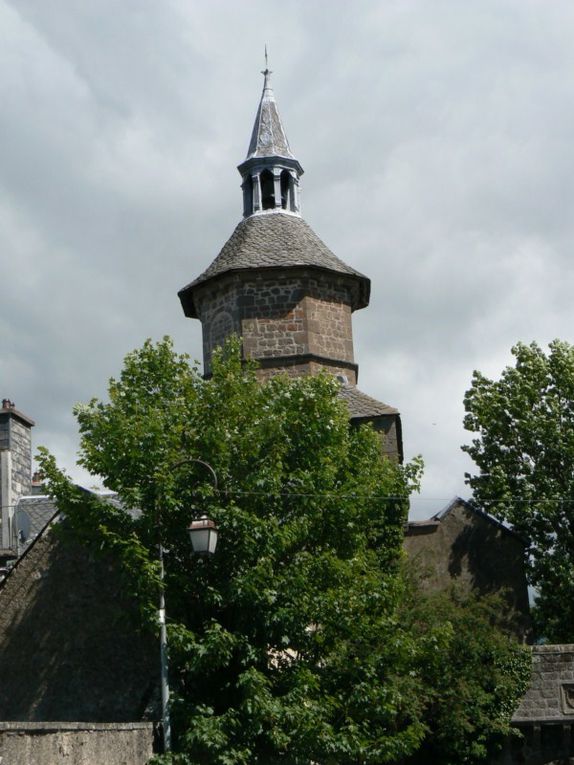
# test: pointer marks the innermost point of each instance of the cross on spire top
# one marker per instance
(266, 72)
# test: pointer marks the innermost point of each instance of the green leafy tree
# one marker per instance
(301, 640)
(287, 645)
(524, 449)
(473, 672)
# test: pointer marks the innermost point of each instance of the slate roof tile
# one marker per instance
(361, 405)
(273, 240)
(39, 511)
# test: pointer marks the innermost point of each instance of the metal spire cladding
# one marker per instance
(268, 138)
(270, 172)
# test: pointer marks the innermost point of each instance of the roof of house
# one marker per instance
(363, 406)
(33, 514)
(273, 239)
(435, 520)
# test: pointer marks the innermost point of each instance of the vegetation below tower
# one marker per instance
(301, 640)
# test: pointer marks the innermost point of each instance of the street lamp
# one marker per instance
(203, 537)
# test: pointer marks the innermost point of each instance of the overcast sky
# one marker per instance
(436, 136)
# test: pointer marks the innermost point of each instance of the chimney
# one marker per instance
(38, 487)
(15, 464)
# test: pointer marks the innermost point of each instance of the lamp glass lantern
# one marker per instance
(203, 535)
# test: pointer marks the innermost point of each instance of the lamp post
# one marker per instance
(203, 536)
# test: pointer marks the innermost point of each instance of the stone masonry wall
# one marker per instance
(15, 468)
(21, 448)
(386, 425)
(481, 555)
(76, 743)
(4, 432)
(308, 368)
(551, 693)
(287, 314)
(329, 327)
(545, 716)
(70, 647)
(17, 437)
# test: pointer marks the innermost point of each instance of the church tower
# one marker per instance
(279, 287)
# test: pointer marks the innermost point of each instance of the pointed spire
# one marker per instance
(268, 138)
(270, 172)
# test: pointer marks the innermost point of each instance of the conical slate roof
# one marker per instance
(268, 138)
(274, 240)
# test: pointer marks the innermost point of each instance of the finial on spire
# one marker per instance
(266, 72)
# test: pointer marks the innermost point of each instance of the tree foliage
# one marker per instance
(473, 672)
(524, 449)
(286, 646)
(300, 641)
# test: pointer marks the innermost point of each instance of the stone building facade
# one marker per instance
(70, 644)
(464, 545)
(545, 716)
(297, 321)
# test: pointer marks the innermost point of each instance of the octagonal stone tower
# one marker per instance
(279, 287)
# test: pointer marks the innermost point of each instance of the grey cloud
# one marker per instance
(436, 142)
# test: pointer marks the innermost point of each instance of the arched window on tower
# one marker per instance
(247, 196)
(267, 190)
(285, 189)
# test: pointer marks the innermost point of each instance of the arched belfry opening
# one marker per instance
(267, 190)
(247, 187)
(286, 190)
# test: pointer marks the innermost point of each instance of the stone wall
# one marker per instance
(388, 426)
(16, 437)
(278, 314)
(467, 546)
(70, 646)
(15, 466)
(550, 696)
(303, 366)
(76, 743)
(545, 716)
(21, 449)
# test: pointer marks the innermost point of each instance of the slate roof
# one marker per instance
(459, 502)
(273, 240)
(268, 138)
(362, 406)
(33, 514)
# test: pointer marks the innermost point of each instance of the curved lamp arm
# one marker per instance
(205, 464)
